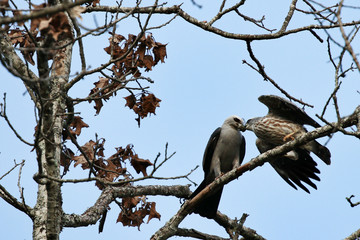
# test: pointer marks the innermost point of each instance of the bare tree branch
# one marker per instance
(93, 214)
(204, 25)
(4, 194)
(43, 12)
(347, 43)
(351, 203)
(354, 236)
(183, 232)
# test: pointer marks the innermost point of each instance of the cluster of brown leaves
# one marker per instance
(19, 37)
(133, 209)
(143, 105)
(111, 169)
(133, 216)
(54, 28)
(130, 54)
(133, 53)
(103, 90)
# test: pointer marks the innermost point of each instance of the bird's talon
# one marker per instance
(289, 137)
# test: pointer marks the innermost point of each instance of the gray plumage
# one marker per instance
(283, 123)
(225, 150)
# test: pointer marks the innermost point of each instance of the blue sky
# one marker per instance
(202, 82)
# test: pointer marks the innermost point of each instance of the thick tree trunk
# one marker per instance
(48, 210)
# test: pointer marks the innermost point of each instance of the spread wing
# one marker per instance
(297, 172)
(294, 172)
(283, 108)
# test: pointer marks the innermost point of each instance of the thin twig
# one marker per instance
(3, 114)
(15, 166)
(262, 72)
(351, 203)
(347, 42)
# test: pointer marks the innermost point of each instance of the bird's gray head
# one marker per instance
(251, 122)
(235, 122)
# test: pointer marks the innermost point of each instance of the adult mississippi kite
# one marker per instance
(284, 122)
(225, 150)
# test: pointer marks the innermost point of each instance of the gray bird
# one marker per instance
(224, 151)
(284, 122)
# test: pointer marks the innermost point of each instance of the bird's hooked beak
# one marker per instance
(248, 124)
(242, 127)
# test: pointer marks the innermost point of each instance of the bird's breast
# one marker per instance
(274, 130)
(228, 149)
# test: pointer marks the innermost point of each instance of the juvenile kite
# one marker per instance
(225, 150)
(284, 122)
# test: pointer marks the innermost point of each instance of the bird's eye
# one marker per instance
(237, 120)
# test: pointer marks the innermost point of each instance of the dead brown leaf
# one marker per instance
(159, 52)
(148, 62)
(153, 213)
(140, 164)
(78, 124)
(130, 101)
(88, 149)
(150, 103)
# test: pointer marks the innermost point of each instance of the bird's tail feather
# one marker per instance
(322, 152)
(208, 206)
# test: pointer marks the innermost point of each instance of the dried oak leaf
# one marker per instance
(130, 101)
(159, 52)
(78, 124)
(28, 54)
(81, 160)
(115, 50)
(140, 164)
(153, 213)
(16, 36)
(101, 92)
(131, 38)
(88, 149)
(109, 171)
(130, 219)
(98, 105)
(141, 51)
(117, 38)
(150, 103)
(148, 62)
(56, 26)
(130, 202)
(123, 219)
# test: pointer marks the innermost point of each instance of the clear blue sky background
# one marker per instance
(203, 82)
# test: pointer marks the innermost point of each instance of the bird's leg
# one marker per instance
(290, 136)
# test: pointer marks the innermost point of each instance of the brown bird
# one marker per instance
(284, 122)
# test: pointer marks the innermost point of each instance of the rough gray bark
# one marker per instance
(52, 94)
